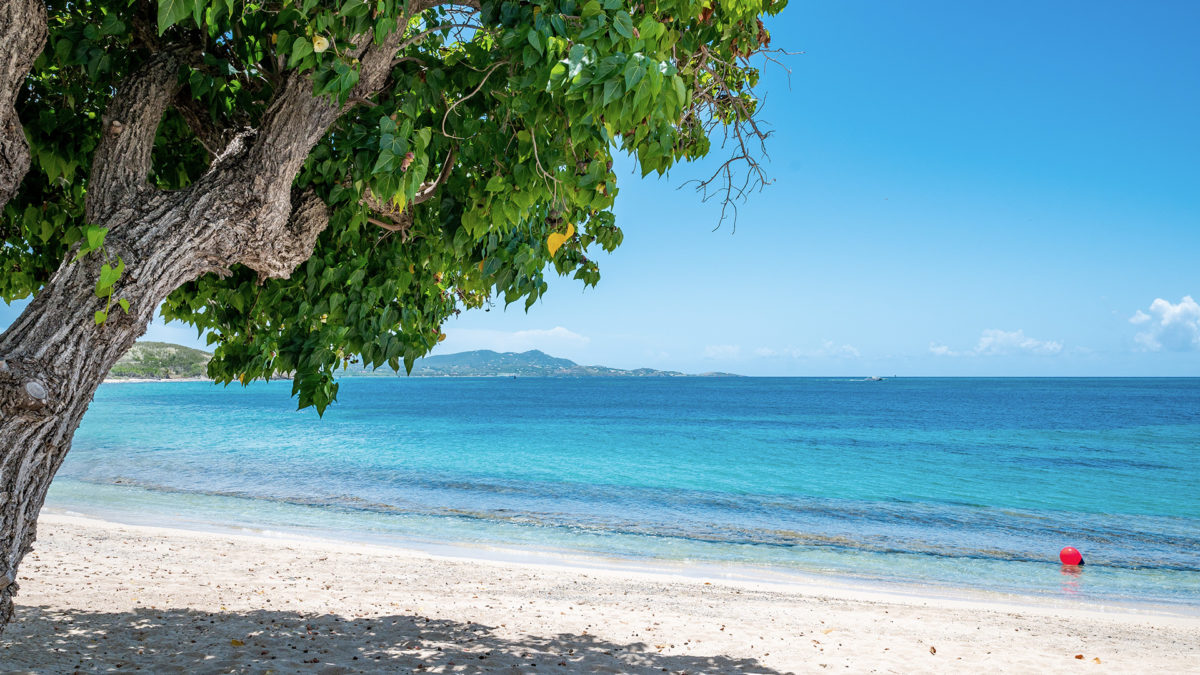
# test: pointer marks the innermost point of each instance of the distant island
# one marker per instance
(161, 361)
(533, 363)
(165, 361)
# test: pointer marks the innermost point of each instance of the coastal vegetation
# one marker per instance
(161, 361)
(166, 361)
(317, 181)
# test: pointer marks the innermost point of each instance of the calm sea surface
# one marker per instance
(966, 482)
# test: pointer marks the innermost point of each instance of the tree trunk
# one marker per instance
(55, 355)
(22, 34)
(243, 210)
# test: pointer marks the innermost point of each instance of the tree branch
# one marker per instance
(428, 188)
(278, 255)
(122, 159)
(23, 33)
(198, 120)
(298, 119)
(402, 219)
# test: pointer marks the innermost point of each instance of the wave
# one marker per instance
(924, 535)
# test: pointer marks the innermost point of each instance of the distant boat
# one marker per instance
(874, 379)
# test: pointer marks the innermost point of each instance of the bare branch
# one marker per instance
(428, 188)
(463, 99)
(209, 135)
(425, 33)
(402, 219)
(422, 5)
(734, 110)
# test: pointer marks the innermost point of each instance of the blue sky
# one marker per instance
(960, 189)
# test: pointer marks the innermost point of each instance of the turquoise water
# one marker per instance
(963, 482)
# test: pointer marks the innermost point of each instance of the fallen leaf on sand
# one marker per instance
(1079, 656)
(236, 642)
(827, 631)
(1097, 659)
(933, 650)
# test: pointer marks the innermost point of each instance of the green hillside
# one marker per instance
(533, 363)
(161, 361)
(165, 361)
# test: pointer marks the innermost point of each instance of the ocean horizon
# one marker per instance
(954, 482)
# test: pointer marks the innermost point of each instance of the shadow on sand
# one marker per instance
(180, 640)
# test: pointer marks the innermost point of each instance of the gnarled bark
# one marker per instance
(244, 210)
(22, 35)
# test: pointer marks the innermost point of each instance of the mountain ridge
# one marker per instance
(167, 361)
(531, 363)
(161, 361)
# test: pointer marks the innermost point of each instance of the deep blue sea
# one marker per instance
(955, 482)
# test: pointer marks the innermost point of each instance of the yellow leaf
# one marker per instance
(441, 337)
(556, 240)
(480, 265)
(236, 642)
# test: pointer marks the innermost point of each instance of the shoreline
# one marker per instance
(97, 595)
(758, 577)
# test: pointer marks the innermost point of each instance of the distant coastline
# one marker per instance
(166, 362)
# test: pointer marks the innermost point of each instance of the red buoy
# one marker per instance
(1070, 556)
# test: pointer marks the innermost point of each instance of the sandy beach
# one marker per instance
(99, 596)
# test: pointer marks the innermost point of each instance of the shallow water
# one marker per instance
(966, 482)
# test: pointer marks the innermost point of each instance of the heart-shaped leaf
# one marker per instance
(556, 240)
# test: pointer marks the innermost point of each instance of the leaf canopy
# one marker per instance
(485, 163)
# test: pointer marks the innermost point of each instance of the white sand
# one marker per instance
(99, 596)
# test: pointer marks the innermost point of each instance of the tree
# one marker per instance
(319, 181)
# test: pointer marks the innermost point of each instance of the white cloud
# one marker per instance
(998, 343)
(1139, 317)
(941, 350)
(995, 342)
(553, 341)
(828, 349)
(722, 351)
(1173, 327)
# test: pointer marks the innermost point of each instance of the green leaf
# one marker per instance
(623, 24)
(100, 316)
(109, 275)
(124, 304)
(112, 25)
(171, 12)
(301, 48)
(496, 184)
(535, 41)
(95, 236)
(557, 74)
(633, 74)
(355, 8)
(612, 89)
